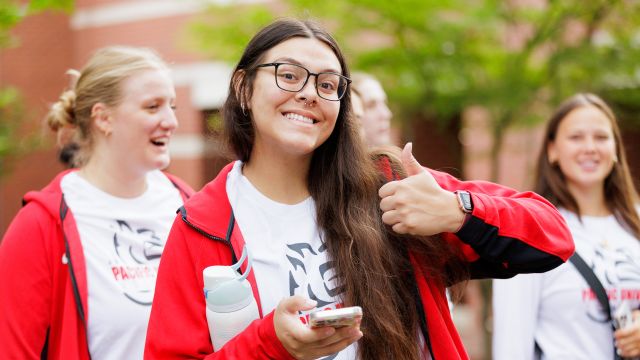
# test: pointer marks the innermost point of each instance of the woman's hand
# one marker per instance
(303, 342)
(417, 205)
(628, 339)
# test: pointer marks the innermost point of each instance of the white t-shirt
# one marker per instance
(557, 309)
(122, 240)
(289, 257)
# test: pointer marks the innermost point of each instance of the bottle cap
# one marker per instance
(216, 275)
(230, 296)
(224, 289)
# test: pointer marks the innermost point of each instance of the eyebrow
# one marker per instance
(296, 62)
(153, 98)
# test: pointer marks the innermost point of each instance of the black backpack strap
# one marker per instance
(593, 282)
(597, 287)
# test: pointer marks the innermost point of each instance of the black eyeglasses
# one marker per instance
(292, 77)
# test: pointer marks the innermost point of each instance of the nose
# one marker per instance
(169, 121)
(590, 144)
(308, 91)
(387, 112)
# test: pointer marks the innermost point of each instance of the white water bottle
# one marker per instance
(231, 306)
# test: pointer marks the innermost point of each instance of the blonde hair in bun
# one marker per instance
(62, 112)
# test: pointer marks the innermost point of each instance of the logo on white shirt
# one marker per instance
(298, 255)
(136, 262)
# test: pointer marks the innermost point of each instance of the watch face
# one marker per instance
(465, 201)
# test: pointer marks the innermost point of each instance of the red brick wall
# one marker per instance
(36, 67)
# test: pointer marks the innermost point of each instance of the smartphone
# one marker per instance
(622, 316)
(336, 318)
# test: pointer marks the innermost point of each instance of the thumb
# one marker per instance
(409, 163)
(297, 303)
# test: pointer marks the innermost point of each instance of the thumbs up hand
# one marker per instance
(417, 205)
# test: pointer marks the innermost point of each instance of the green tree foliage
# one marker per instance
(224, 31)
(10, 111)
(436, 57)
(11, 108)
(13, 11)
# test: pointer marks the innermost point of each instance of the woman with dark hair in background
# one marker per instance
(304, 198)
(582, 169)
(79, 260)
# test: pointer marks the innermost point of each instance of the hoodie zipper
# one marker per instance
(72, 276)
(183, 215)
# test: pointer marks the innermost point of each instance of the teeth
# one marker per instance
(300, 118)
(588, 164)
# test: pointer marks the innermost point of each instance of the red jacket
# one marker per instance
(44, 279)
(500, 240)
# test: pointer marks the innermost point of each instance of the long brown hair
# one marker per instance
(619, 192)
(371, 262)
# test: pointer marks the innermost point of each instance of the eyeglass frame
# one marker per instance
(309, 73)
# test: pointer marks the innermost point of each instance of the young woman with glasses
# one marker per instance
(582, 169)
(304, 199)
(79, 260)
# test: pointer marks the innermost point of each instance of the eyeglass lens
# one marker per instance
(292, 77)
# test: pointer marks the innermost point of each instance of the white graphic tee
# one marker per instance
(289, 257)
(122, 240)
(557, 309)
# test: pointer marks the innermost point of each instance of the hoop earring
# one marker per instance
(244, 112)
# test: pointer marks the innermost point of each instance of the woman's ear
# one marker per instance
(238, 80)
(101, 117)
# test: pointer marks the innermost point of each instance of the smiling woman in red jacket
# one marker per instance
(309, 204)
(79, 260)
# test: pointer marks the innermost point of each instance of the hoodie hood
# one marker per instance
(49, 198)
(209, 209)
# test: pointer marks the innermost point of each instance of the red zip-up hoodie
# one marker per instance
(43, 301)
(499, 240)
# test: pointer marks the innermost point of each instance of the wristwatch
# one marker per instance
(464, 200)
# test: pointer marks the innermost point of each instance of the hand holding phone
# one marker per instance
(622, 316)
(336, 318)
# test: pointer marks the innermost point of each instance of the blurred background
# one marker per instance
(470, 82)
